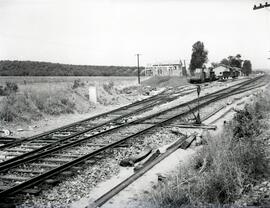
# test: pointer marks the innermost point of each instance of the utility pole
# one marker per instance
(138, 65)
(261, 6)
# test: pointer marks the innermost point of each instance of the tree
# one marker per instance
(235, 61)
(198, 56)
(247, 67)
(214, 64)
(225, 62)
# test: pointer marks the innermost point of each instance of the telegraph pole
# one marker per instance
(261, 6)
(138, 65)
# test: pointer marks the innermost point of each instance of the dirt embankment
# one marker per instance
(230, 170)
(165, 81)
(36, 107)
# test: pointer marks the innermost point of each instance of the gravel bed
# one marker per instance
(78, 186)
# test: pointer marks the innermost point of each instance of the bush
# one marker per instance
(31, 105)
(235, 161)
(77, 83)
(10, 88)
(55, 103)
(18, 108)
(109, 87)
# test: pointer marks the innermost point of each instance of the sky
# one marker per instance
(111, 32)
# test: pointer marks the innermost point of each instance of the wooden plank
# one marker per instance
(130, 161)
(107, 196)
(209, 127)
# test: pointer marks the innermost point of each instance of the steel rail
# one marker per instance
(159, 97)
(159, 101)
(21, 159)
(59, 169)
(125, 183)
(84, 120)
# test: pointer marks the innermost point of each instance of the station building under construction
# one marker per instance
(166, 69)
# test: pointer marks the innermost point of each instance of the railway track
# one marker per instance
(33, 169)
(93, 121)
(37, 144)
(28, 146)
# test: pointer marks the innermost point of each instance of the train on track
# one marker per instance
(221, 72)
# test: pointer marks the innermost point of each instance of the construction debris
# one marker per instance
(129, 162)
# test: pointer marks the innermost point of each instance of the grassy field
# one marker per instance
(129, 80)
(37, 97)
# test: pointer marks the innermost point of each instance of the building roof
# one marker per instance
(220, 69)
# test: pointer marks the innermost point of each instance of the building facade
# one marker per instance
(165, 69)
(226, 71)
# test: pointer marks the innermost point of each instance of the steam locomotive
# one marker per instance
(208, 75)
(203, 75)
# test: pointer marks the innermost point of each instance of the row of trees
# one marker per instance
(199, 57)
(236, 61)
(33, 68)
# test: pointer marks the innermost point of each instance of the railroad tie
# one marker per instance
(67, 173)
(47, 141)
(63, 160)
(45, 165)
(28, 171)
(52, 181)
(14, 178)
(19, 150)
(32, 191)
(32, 146)
(67, 155)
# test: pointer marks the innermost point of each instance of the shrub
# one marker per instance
(108, 87)
(31, 105)
(55, 103)
(11, 87)
(236, 160)
(77, 83)
(18, 108)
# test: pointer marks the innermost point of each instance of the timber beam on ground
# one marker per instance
(181, 143)
(194, 126)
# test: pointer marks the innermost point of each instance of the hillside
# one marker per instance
(165, 81)
(33, 68)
